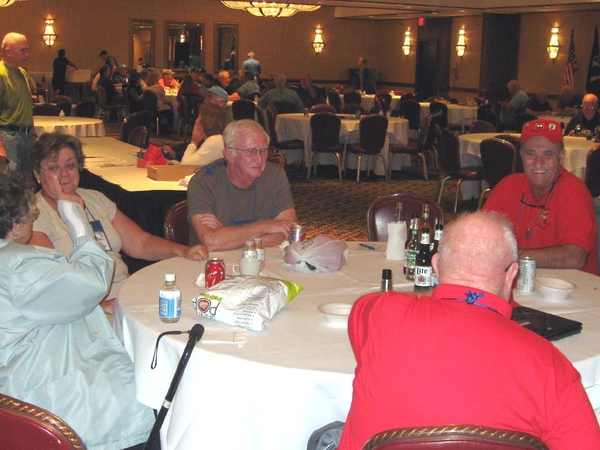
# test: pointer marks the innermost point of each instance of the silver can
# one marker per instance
(525, 282)
(297, 233)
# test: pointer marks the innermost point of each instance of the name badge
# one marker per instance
(100, 234)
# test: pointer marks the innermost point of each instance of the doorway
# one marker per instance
(425, 79)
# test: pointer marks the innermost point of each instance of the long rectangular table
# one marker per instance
(297, 126)
(277, 386)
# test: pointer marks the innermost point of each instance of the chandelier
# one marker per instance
(6, 2)
(269, 9)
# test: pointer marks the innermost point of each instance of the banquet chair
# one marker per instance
(105, 108)
(24, 426)
(352, 97)
(285, 107)
(243, 109)
(140, 121)
(176, 225)
(592, 171)
(453, 437)
(488, 113)
(334, 99)
(372, 131)
(498, 159)
(521, 118)
(481, 126)
(441, 120)
(423, 144)
(383, 209)
(411, 111)
(189, 113)
(85, 108)
(277, 158)
(151, 106)
(275, 143)
(516, 142)
(63, 102)
(351, 108)
(322, 108)
(325, 131)
(451, 168)
(46, 109)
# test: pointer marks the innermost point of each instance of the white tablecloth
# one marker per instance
(116, 162)
(297, 126)
(367, 101)
(457, 114)
(74, 126)
(274, 389)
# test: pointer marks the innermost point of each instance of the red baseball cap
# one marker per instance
(542, 127)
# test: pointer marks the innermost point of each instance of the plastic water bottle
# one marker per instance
(169, 300)
(61, 116)
(260, 251)
(249, 251)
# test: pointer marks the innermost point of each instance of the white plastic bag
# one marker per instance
(321, 254)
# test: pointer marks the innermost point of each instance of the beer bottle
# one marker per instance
(422, 271)
(399, 214)
(412, 251)
(439, 228)
(408, 239)
(386, 280)
(425, 220)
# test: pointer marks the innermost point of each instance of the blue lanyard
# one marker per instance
(471, 299)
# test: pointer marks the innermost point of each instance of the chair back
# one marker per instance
(102, 101)
(440, 119)
(383, 209)
(454, 437)
(63, 102)
(373, 130)
(351, 108)
(243, 109)
(352, 97)
(482, 126)
(285, 107)
(139, 137)
(271, 112)
(140, 119)
(521, 118)
(322, 108)
(150, 102)
(383, 101)
(85, 108)
(498, 158)
(592, 171)
(411, 111)
(325, 130)
(449, 152)
(24, 426)
(176, 226)
(277, 158)
(45, 109)
(334, 99)
(516, 142)
(425, 140)
(489, 114)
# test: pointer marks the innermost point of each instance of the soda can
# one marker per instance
(214, 272)
(525, 282)
(297, 233)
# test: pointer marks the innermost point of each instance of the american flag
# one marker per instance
(571, 63)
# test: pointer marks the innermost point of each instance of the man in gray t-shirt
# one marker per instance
(241, 196)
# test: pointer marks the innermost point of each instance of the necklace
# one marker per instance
(540, 218)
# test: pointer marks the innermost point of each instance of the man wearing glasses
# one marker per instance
(585, 121)
(241, 196)
(551, 209)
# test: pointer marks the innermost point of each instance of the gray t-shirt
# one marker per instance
(210, 191)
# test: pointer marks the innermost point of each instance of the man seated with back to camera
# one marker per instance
(241, 196)
(551, 209)
(457, 358)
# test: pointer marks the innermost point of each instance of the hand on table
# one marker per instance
(196, 253)
(211, 221)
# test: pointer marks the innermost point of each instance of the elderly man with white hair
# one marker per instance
(280, 94)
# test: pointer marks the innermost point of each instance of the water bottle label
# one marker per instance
(169, 304)
(260, 253)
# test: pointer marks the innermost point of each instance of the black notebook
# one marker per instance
(546, 325)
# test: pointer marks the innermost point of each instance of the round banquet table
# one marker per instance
(367, 101)
(74, 126)
(457, 114)
(271, 389)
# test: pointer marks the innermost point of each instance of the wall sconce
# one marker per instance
(553, 45)
(461, 44)
(406, 44)
(49, 34)
(318, 43)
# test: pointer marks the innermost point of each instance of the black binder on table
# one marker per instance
(546, 325)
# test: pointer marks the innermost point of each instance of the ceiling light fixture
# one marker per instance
(6, 2)
(49, 34)
(553, 45)
(461, 44)
(318, 43)
(270, 9)
(406, 44)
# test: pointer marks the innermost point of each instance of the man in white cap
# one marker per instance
(551, 209)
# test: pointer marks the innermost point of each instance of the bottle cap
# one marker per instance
(386, 274)
(170, 277)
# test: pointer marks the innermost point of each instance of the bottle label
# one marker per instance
(260, 253)
(249, 254)
(423, 276)
(411, 258)
(169, 304)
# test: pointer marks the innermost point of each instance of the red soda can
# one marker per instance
(214, 272)
(297, 233)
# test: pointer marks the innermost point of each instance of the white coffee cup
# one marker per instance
(247, 266)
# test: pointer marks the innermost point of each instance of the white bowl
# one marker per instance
(554, 289)
(336, 313)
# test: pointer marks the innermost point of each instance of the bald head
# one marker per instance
(15, 50)
(475, 250)
(513, 86)
(11, 39)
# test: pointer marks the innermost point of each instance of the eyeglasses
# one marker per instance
(55, 168)
(251, 152)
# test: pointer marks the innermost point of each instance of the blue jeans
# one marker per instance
(17, 147)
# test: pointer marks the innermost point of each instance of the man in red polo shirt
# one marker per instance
(552, 210)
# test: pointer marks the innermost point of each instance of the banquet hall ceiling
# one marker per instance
(394, 9)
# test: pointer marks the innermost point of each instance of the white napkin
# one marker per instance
(396, 239)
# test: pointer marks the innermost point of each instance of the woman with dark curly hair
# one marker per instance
(57, 349)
